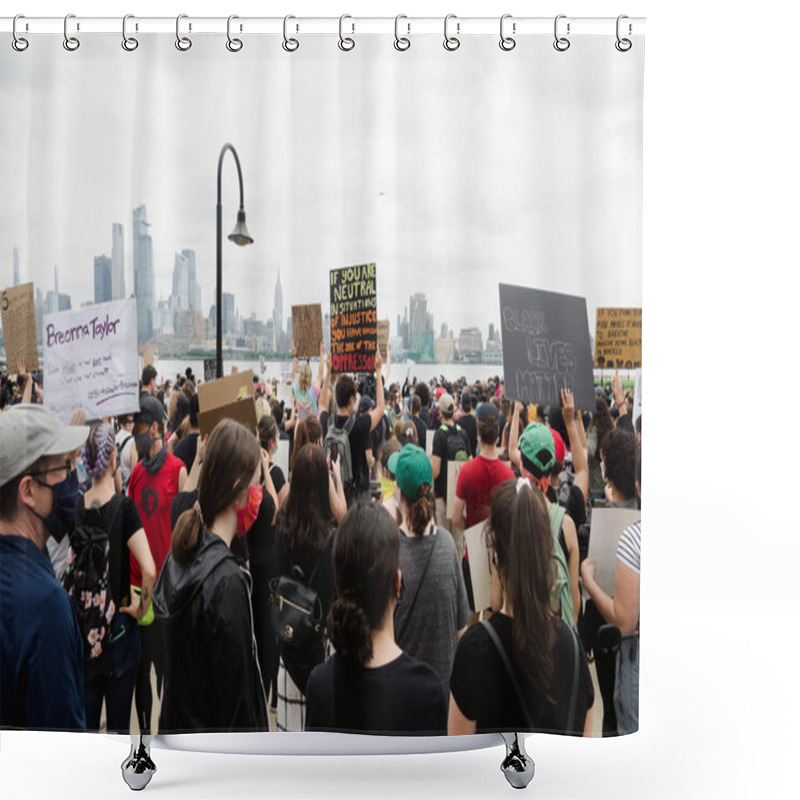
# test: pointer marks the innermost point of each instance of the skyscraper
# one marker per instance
(228, 313)
(16, 266)
(277, 311)
(103, 279)
(195, 296)
(143, 274)
(117, 261)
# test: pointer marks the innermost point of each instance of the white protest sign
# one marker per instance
(429, 442)
(453, 468)
(480, 565)
(285, 395)
(281, 457)
(637, 396)
(607, 527)
(91, 360)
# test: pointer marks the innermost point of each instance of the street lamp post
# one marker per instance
(239, 236)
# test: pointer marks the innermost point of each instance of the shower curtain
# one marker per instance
(491, 197)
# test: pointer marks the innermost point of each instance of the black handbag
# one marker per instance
(296, 617)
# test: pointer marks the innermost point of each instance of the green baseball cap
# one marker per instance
(538, 447)
(412, 468)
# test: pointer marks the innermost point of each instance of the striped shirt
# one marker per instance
(629, 549)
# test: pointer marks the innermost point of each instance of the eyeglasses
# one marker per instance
(67, 466)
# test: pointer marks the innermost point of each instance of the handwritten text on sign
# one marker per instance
(354, 318)
(91, 361)
(618, 338)
(546, 346)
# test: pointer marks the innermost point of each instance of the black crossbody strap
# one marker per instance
(573, 703)
(504, 658)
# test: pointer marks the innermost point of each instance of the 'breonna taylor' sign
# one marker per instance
(91, 361)
(546, 346)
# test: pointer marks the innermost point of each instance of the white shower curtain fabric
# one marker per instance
(451, 172)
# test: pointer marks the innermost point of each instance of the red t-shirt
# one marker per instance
(476, 481)
(153, 495)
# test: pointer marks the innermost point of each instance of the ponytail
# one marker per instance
(349, 630)
(186, 535)
(422, 510)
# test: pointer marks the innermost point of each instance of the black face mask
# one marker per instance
(65, 500)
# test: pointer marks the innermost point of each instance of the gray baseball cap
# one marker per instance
(28, 432)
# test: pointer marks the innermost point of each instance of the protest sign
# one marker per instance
(19, 327)
(383, 339)
(453, 468)
(227, 398)
(429, 441)
(307, 330)
(354, 319)
(285, 395)
(618, 338)
(607, 527)
(209, 369)
(281, 457)
(91, 360)
(637, 396)
(546, 346)
(480, 565)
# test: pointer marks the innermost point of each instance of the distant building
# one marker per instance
(277, 310)
(228, 313)
(470, 344)
(117, 261)
(143, 274)
(16, 266)
(444, 351)
(102, 279)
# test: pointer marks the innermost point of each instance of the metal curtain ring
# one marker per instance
(18, 42)
(129, 43)
(506, 42)
(234, 45)
(70, 42)
(451, 42)
(561, 43)
(289, 44)
(345, 42)
(401, 42)
(181, 42)
(623, 45)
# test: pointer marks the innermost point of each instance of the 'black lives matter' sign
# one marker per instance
(546, 346)
(354, 318)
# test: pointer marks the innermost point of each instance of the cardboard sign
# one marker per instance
(19, 327)
(227, 398)
(307, 330)
(637, 396)
(546, 346)
(618, 338)
(480, 565)
(607, 527)
(209, 369)
(383, 339)
(91, 361)
(453, 468)
(354, 319)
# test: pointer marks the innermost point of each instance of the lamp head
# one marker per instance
(240, 234)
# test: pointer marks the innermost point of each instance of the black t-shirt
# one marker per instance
(425, 416)
(439, 449)
(470, 425)
(404, 696)
(422, 431)
(125, 521)
(184, 501)
(324, 416)
(483, 691)
(186, 449)
(261, 536)
(360, 442)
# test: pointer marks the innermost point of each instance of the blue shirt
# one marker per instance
(41, 650)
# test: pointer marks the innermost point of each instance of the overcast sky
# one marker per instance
(453, 172)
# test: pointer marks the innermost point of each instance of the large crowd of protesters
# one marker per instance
(200, 526)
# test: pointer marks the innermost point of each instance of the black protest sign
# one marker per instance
(546, 346)
(354, 319)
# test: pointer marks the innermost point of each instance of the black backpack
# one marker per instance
(457, 442)
(86, 578)
(297, 622)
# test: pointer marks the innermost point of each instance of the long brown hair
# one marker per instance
(308, 431)
(306, 519)
(519, 526)
(231, 457)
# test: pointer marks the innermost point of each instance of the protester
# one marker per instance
(268, 436)
(126, 449)
(212, 679)
(111, 677)
(600, 426)
(405, 432)
(370, 685)
(41, 650)
(422, 391)
(155, 480)
(436, 610)
(186, 448)
(420, 425)
(306, 393)
(622, 610)
(305, 539)
(387, 478)
(450, 443)
(308, 431)
(149, 375)
(468, 422)
(540, 647)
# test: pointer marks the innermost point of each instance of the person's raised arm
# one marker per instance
(513, 435)
(376, 414)
(22, 371)
(619, 400)
(336, 489)
(622, 609)
(580, 459)
(324, 395)
(193, 478)
(318, 383)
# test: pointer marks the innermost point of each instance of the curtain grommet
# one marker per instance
(289, 44)
(183, 43)
(560, 43)
(71, 43)
(401, 43)
(451, 43)
(507, 43)
(129, 43)
(19, 43)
